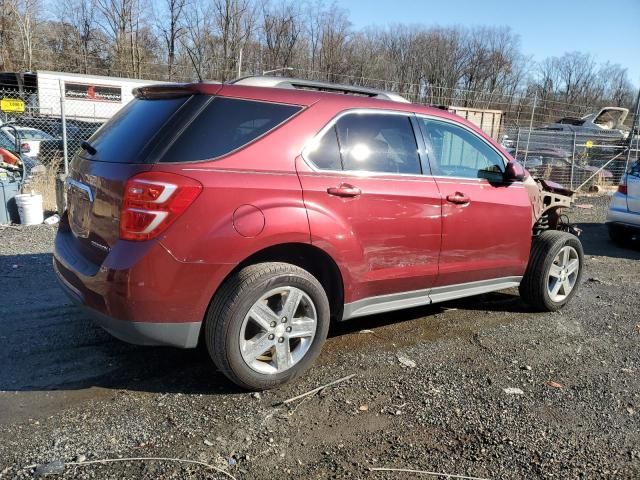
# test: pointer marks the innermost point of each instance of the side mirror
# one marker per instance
(514, 172)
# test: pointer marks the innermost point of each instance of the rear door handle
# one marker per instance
(459, 198)
(345, 190)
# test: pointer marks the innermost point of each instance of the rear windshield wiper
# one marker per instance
(88, 147)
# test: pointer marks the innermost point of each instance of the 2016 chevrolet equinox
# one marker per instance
(250, 215)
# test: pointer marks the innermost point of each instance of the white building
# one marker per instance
(86, 97)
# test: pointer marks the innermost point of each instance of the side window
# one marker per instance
(225, 125)
(456, 152)
(378, 143)
(634, 169)
(325, 153)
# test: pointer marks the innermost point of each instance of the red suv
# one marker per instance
(250, 215)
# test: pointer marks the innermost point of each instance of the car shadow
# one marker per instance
(596, 242)
(51, 344)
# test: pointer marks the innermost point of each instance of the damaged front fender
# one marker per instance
(548, 199)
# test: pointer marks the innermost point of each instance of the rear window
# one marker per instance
(185, 129)
(123, 138)
(224, 125)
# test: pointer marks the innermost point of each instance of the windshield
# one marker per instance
(6, 141)
(33, 134)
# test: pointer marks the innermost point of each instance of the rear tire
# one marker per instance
(554, 271)
(266, 325)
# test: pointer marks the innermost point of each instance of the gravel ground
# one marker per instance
(428, 392)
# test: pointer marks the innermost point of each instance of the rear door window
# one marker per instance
(225, 125)
(325, 152)
(378, 143)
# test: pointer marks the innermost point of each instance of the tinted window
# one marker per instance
(122, 139)
(34, 135)
(6, 142)
(225, 125)
(325, 154)
(456, 152)
(378, 143)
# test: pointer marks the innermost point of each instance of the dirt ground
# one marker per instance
(428, 391)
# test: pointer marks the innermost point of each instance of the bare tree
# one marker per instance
(172, 29)
(281, 29)
(477, 67)
(197, 40)
(25, 13)
(618, 87)
(234, 22)
(6, 16)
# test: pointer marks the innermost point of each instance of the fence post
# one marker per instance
(634, 127)
(517, 141)
(533, 111)
(573, 158)
(63, 116)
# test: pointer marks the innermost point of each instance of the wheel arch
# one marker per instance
(309, 257)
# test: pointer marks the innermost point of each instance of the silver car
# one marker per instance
(623, 217)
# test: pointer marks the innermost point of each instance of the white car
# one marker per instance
(30, 138)
(623, 217)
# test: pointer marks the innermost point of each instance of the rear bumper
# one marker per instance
(618, 212)
(140, 294)
(182, 335)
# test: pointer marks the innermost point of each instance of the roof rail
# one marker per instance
(301, 84)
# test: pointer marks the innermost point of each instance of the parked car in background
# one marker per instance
(623, 217)
(42, 137)
(8, 143)
(30, 138)
(250, 215)
(556, 164)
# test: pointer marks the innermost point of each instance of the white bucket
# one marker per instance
(30, 208)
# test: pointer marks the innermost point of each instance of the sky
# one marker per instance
(607, 29)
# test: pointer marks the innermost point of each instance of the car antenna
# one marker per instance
(193, 62)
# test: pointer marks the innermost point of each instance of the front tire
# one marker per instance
(266, 325)
(554, 271)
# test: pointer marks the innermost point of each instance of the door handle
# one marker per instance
(459, 198)
(344, 190)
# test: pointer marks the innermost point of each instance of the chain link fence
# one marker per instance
(51, 124)
(575, 145)
(566, 143)
(44, 129)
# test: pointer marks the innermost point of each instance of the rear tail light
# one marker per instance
(154, 200)
(622, 188)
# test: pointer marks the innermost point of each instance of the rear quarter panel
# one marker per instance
(259, 185)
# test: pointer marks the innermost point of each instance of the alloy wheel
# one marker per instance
(278, 330)
(563, 273)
